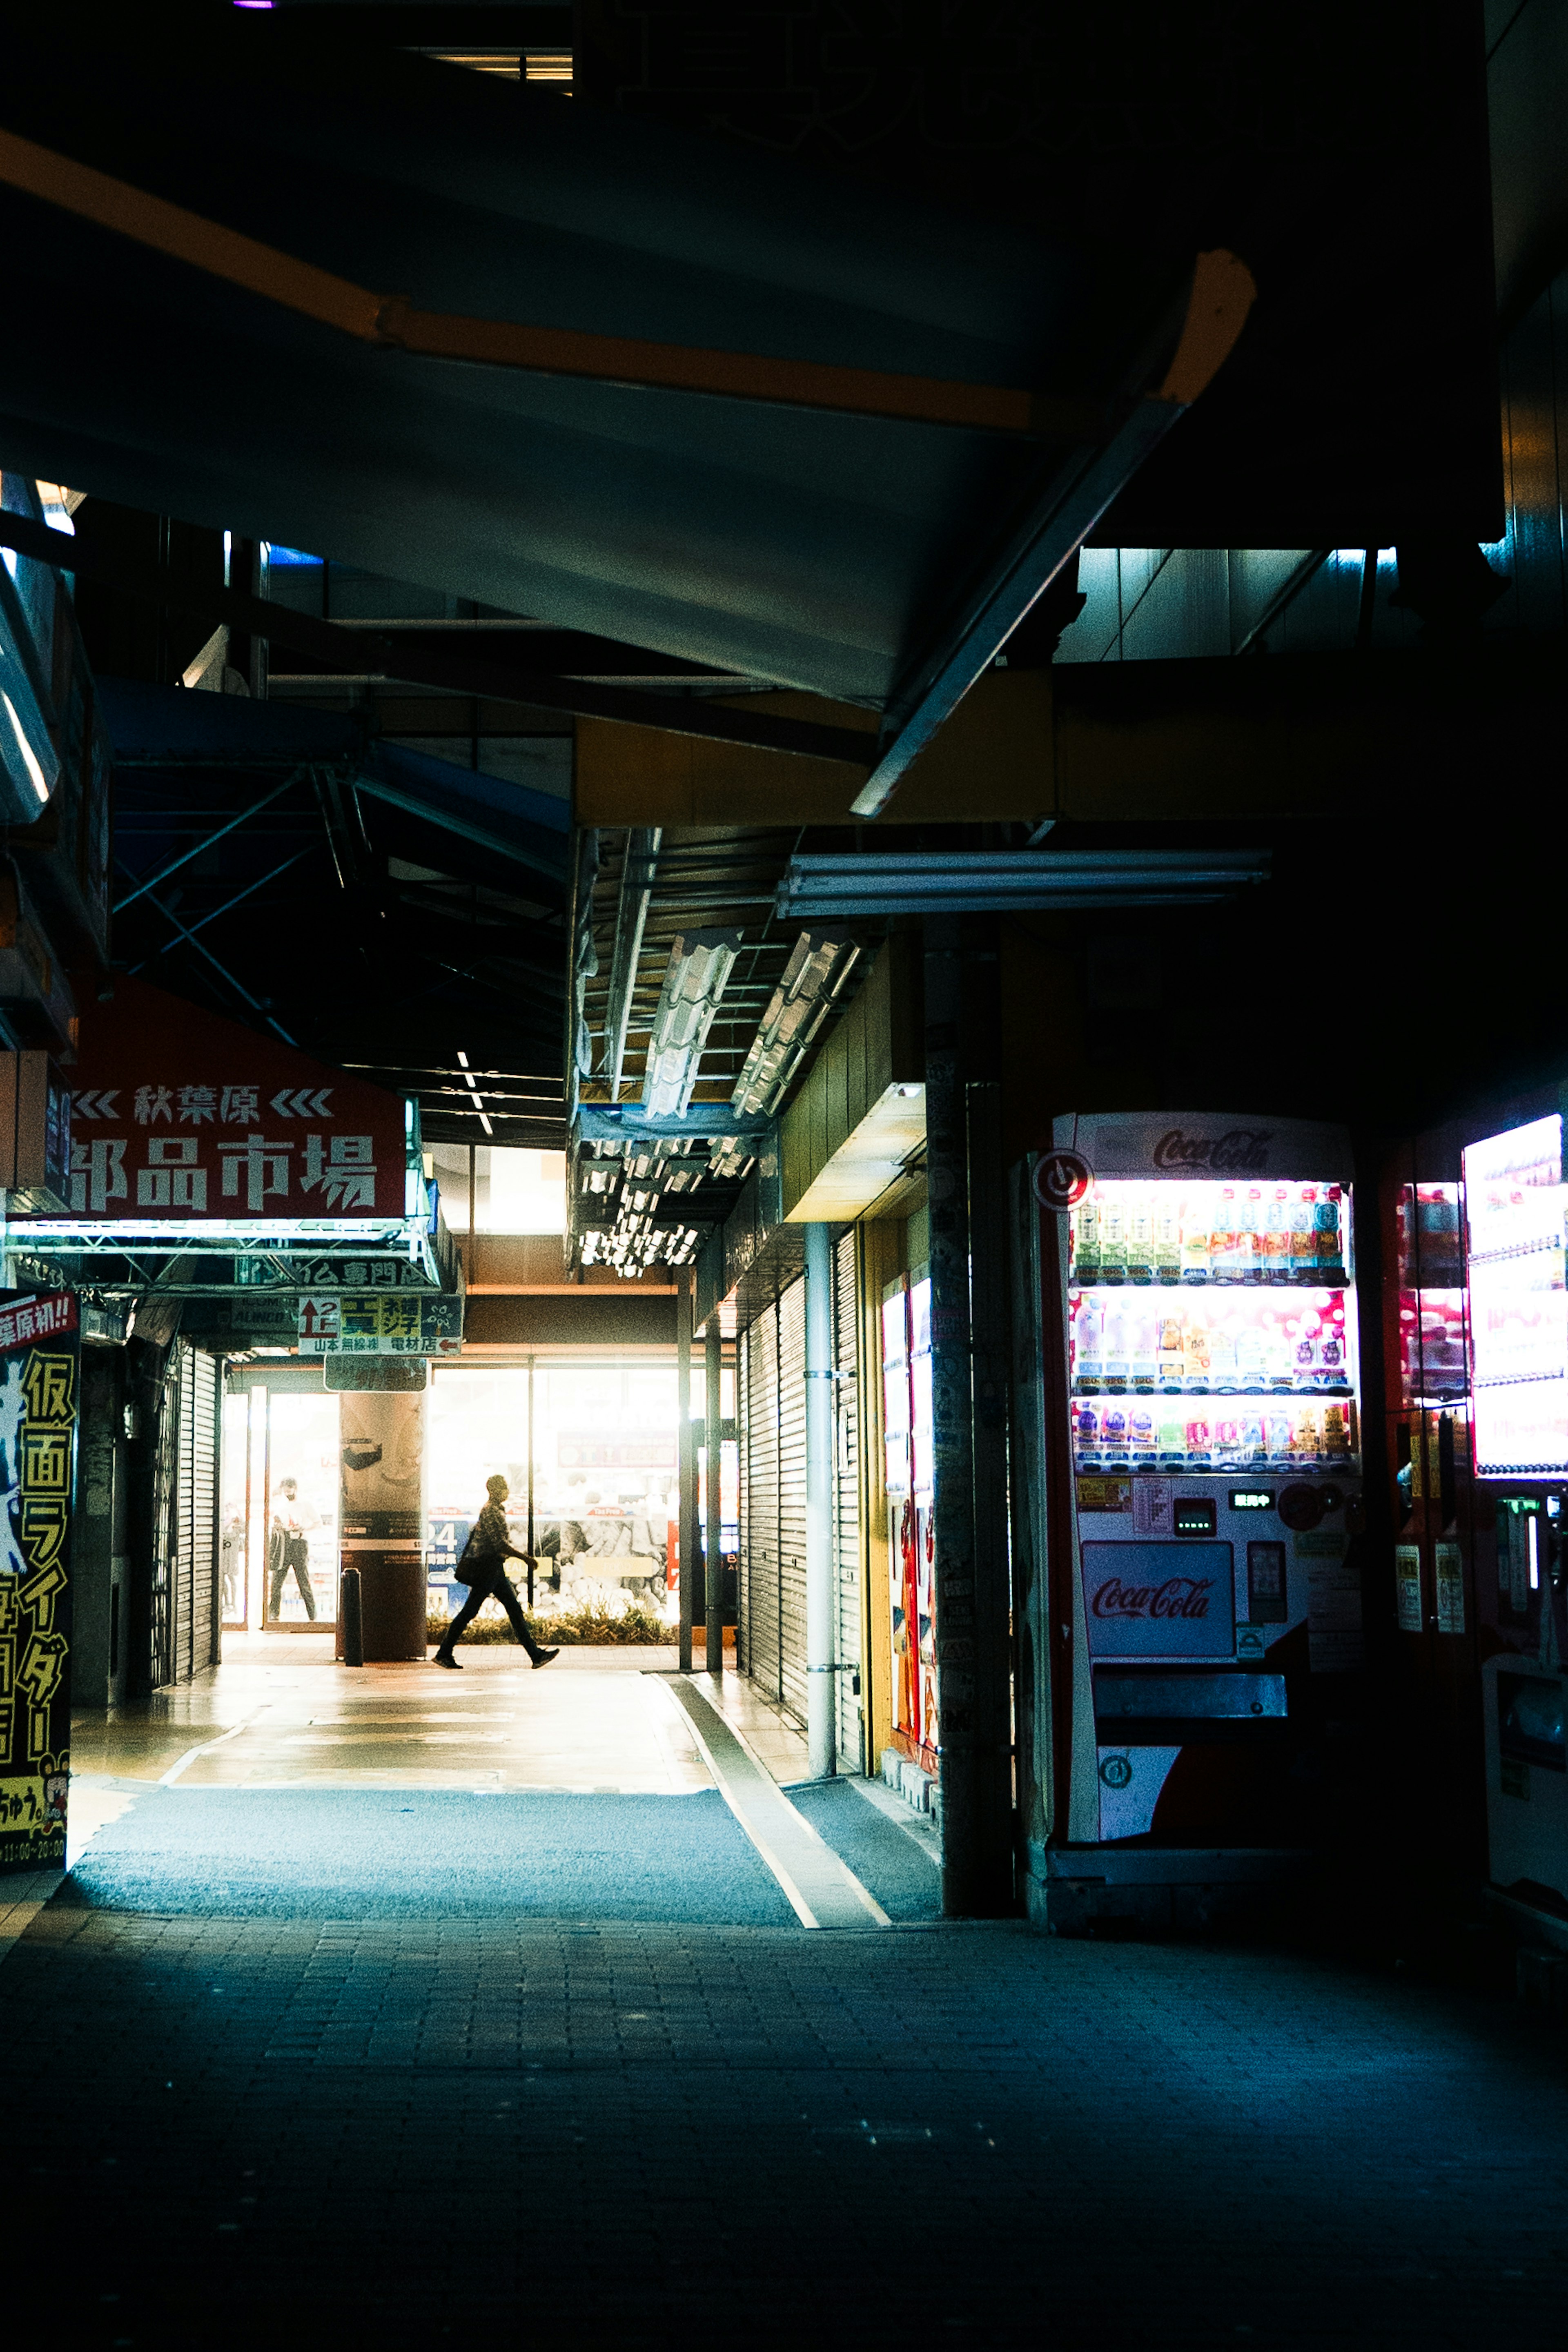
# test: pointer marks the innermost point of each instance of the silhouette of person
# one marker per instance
(481, 1569)
(289, 1550)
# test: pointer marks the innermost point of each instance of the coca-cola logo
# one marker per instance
(1178, 1596)
(1061, 1179)
(1241, 1151)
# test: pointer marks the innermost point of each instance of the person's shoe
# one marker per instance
(445, 1658)
(543, 1658)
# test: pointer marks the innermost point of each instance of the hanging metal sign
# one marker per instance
(380, 1323)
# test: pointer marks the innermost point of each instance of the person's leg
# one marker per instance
(506, 1596)
(478, 1595)
(307, 1590)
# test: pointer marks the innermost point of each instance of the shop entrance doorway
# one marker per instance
(281, 1501)
(590, 1453)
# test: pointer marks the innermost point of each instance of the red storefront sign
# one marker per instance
(179, 1114)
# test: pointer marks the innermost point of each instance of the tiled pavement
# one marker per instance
(295, 2133)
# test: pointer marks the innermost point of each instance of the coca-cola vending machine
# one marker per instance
(1205, 1572)
(1515, 1213)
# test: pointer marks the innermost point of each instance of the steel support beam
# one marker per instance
(628, 1123)
(714, 1533)
(1070, 503)
(459, 672)
(157, 880)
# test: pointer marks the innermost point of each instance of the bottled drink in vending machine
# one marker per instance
(1277, 1435)
(1142, 1346)
(1139, 1236)
(1142, 1445)
(1250, 1377)
(1279, 1368)
(1228, 1443)
(1305, 1375)
(1336, 1440)
(1333, 1369)
(1304, 1435)
(1113, 1345)
(1200, 1441)
(1113, 1435)
(1304, 1231)
(1172, 1434)
(1330, 1250)
(1167, 1235)
(1086, 1446)
(1086, 1239)
(1222, 1357)
(1196, 1353)
(1277, 1234)
(1170, 1363)
(1249, 1235)
(1195, 1233)
(1089, 1354)
(1225, 1240)
(1254, 1445)
(1112, 1236)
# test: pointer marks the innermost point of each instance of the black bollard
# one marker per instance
(353, 1619)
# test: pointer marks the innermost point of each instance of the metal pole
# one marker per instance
(531, 1482)
(687, 1460)
(820, 1710)
(713, 1602)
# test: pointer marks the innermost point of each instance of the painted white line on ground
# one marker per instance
(168, 1779)
(820, 1888)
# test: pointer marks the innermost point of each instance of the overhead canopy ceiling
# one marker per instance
(836, 552)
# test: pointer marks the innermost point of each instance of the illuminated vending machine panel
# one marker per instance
(1429, 1403)
(1515, 1201)
(909, 1470)
(1213, 1395)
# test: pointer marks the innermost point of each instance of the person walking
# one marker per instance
(289, 1550)
(482, 1568)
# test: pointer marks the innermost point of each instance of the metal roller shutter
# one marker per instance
(761, 1567)
(850, 1739)
(792, 1498)
(198, 1478)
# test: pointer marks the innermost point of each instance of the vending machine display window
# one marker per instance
(1517, 1305)
(1434, 1350)
(1208, 1328)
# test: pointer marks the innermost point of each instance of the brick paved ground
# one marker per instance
(296, 2133)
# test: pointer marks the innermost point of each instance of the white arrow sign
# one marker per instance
(302, 1103)
(95, 1102)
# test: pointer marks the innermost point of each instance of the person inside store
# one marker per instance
(482, 1569)
(289, 1548)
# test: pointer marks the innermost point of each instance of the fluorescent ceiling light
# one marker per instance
(812, 977)
(35, 776)
(701, 963)
(731, 1155)
(1004, 881)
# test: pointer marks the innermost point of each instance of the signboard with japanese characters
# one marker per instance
(380, 1323)
(177, 1114)
(38, 1366)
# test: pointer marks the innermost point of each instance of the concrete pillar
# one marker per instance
(381, 1450)
(968, 1309)
(687, 1457)
(713, 1545)
(821, 1711)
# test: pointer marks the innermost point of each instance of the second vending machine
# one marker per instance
(1202, 1270)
